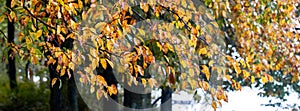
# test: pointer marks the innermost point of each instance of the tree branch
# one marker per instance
(37, 17)
(155, 101)
(185, 24)
(3, 34)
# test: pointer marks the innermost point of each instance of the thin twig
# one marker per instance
(37, 17)
(4, 34)
(155, 101)
(185, 24)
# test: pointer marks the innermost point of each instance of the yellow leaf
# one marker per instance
(109, 45)
(135, 81)
(252, 79)
(214, 105)
(264, 79)
(141, 70)
(191, 72)
(228, 77)
(224, 13)
(202, 51)
(142, 32)
(103, 63)
(170, 47)
(81, 80)
(183, 76)
(270, 78)
(182, 62)
(2, 18)
(110, 63)
(34, 59)
(205, 70)
(205, 86)
(58, 29)
(58, 68)
(144, 82)
(211, 17)
(166, 58)
(243, 63)
(237, 68)
(101, 80)
(238, 86)
(210, 63)
(72, 36)
(183, 3)
(92, 89)
(152, 82)
(51, 61)
(12, 15)
(100, 25)
(159, 45)
(246, 74)
(63, 71)
(229, 58)
(184, 84)
(53, 81)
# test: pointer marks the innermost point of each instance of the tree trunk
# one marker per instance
(69, 93)
(11, 58)
(55, 91)
(166, 99)
(136, 100)
(73, 93)
(109, 104)
(138, 96)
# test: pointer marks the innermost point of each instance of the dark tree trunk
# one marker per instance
(69, 93)
(64, 95)
(110, 103)
(137, 96)
(73, 93)
(136, 100)
(82, 106)
(11, 58)
(166, 99)
(55, 91)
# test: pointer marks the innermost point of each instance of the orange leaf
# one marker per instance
(101, 80)
(214, 105)
(53, 81)
(113, 89)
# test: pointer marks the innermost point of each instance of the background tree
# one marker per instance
(10, 38)
(264, 36)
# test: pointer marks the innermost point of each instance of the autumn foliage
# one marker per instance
(132, 37)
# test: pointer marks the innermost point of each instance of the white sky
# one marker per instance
(245, 100)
